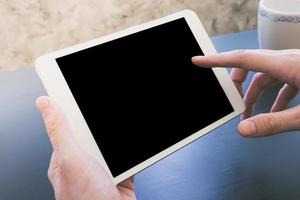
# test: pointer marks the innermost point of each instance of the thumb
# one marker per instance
(58, 129)
(271, 123)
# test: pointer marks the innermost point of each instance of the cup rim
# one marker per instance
(276, 11)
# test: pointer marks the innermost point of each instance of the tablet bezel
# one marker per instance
(56, 86)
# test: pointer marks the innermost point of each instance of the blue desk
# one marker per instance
(220, 165)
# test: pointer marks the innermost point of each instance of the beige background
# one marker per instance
(30, 28)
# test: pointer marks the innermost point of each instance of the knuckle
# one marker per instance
(240, 54)
(261, 80)
(51, 125)
(294, 116)
(54, 170)
(52, 173)
(296, 77)
(270, 123)
(257, 77)
(54, 123)
(291, 58)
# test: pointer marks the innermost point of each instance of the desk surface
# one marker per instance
(220, 165)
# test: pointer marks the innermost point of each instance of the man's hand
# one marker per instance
(73, 173)
(272, 67)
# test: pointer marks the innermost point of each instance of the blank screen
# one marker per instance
(141, 94)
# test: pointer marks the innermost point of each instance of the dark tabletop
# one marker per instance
(220, 165)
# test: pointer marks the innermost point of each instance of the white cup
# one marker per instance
(278, 24)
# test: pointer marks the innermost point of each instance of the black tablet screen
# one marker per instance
(141, 94)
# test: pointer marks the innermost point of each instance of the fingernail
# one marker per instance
(247, 128)
(195, 57)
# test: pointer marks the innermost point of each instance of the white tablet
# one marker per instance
(134, 97)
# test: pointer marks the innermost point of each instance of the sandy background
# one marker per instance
(30, 28)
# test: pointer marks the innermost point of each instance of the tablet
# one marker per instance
(134, 97)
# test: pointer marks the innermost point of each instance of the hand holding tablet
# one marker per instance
(72, 172)
(134, 97)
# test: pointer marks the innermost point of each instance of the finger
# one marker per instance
(128, 183)
(270, 62)
(271, 123)
(259, 83)
(254, 60)
(126, 187)
(285, 95)
(56, 124)
(238, 76)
